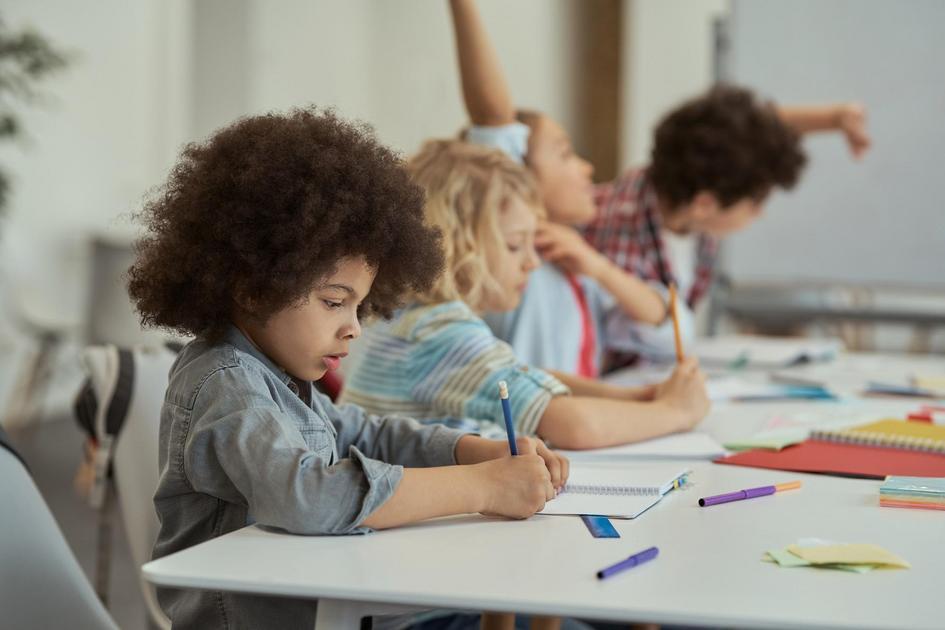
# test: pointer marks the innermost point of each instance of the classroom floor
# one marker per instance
(53, 450)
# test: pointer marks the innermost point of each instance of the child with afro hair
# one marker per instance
(266, 243)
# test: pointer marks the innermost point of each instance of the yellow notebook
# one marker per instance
(901, 434)
(931, 382)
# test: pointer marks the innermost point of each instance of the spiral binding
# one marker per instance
(881, 440)
(626, 491)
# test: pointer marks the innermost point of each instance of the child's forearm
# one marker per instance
(810, 118)
(638, 300)
(581, 386)
(472, 449)
(574, 422)
(846, 118)
(428, 493)
(485, 91)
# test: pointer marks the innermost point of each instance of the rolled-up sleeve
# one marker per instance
(464, 364)
(392, 438)
(246, 450)
(624, 334)
(511, 139)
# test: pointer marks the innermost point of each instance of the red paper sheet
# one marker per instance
(848, 460)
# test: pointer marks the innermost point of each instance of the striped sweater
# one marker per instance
(442, 363)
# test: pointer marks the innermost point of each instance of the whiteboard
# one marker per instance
(879, 221)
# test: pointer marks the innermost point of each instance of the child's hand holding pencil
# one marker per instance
(517, 486)
(685, 394)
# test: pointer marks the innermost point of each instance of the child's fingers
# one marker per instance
(546, 236)
(565, 469)
(545, 248)
(552, 463)
(552, 253)
(550, 492)
(526, 446)
(542, 240)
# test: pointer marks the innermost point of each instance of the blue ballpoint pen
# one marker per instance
(507, 412)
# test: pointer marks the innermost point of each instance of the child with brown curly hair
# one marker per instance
(266, 243)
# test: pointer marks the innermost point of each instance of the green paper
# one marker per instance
(773, 440)
(786, 559)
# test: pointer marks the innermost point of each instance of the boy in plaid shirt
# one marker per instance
(714, 163)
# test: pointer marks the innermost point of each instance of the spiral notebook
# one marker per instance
(616, 492)
(899, 434)
(875, 450)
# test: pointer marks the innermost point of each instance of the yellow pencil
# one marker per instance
(672, 312)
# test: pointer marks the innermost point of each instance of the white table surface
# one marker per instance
(709, 571)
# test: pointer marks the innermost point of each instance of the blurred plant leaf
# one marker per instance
(26, 57)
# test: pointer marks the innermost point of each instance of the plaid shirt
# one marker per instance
(627, 230)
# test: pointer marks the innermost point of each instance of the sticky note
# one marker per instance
(786, 559)
(849, 554)
(773, 439)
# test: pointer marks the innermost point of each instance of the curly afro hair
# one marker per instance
(268, 206)
(725, 142)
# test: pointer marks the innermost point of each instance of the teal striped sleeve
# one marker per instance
(457, 364)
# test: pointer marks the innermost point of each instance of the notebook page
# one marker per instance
(620, 492)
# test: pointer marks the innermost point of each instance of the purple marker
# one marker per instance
(748, 493)
(629, 563)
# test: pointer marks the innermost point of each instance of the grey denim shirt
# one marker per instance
(242, 442)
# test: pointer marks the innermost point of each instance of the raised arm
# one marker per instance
(485, 90)
(847, 118)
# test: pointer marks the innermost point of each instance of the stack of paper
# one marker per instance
(733, 388)
(926, 493)
(772, 439)
(874, 388)
(689, 445)
(930, 382)
(768, 352)
(821, 554)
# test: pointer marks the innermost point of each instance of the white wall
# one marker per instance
(392, 63)
(667, 58)
(108, 130)
(877, 221)
(150, 75)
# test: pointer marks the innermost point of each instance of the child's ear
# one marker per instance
(704, 205)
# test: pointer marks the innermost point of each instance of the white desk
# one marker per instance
(709, 571)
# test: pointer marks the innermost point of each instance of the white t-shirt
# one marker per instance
(658, 342)
(681, 250)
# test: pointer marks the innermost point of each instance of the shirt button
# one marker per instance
(294, 387)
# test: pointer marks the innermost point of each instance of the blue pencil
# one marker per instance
(507, 412)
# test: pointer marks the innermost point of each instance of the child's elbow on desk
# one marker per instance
(563, 427)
